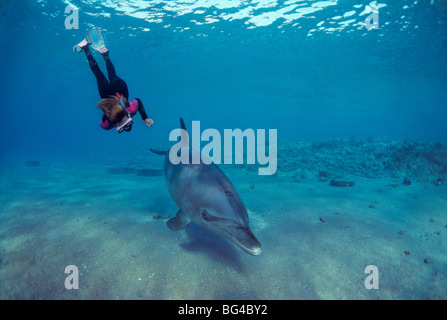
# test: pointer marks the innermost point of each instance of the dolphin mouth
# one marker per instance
(254, 250)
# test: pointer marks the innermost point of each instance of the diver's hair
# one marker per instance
(112, 108)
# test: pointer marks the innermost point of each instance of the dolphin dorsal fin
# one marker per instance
(182, 124)
(184, 137)
(180, 221)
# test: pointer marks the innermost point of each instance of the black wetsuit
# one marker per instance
(116, 84)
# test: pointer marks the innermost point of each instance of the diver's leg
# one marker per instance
(121, 87)
(118, 83)
(104, 87)
(110, 68)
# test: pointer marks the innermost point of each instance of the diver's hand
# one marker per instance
(148, 122)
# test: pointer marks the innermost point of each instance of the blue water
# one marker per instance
(309, 69)
(228, 74)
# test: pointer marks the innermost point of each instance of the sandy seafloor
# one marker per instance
(77, 213)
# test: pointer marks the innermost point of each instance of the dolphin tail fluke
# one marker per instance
(161, 153)
(180, 221)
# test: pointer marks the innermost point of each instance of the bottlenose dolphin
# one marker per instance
(206, 196)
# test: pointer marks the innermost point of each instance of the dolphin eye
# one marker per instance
(207, 217)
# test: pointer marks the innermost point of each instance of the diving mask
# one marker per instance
(126, 123)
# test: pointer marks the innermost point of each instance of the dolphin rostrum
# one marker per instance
(206, 196)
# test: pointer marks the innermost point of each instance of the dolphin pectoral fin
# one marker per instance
(180, 221)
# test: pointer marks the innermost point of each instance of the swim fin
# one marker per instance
(94, 37)
(80, 45)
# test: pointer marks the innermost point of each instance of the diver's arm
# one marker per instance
(141, 109)
(105, 123)
(147, 121)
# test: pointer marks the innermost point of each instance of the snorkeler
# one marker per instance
(118, 112)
